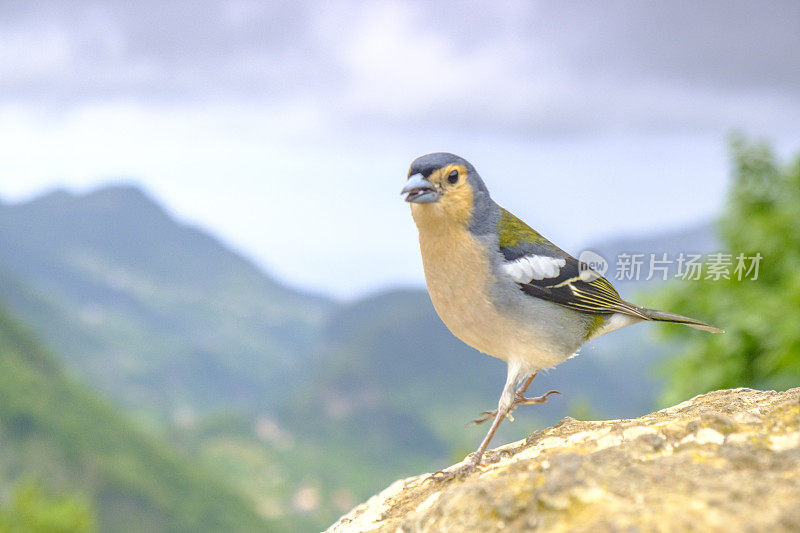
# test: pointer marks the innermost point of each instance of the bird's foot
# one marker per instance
(522, 400)
(519, 399)
(457, 473)
(486, 415)
(493, 456)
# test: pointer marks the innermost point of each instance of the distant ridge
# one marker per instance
(162, 311)
(332, 399)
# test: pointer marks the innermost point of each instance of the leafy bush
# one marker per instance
(761, 346)
(30, 510)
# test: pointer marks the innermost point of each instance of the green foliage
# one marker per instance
(53, 430)
(761, 346)
(30, 510)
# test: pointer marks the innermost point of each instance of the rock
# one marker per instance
(725, 461)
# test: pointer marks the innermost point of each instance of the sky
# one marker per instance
(286, 128)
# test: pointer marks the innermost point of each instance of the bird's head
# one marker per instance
(443, 185)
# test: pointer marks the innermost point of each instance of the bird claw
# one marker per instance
(522, 400)
(441, 475)
(519, 399)
(458, 473)
(486, 415)
(494, 456)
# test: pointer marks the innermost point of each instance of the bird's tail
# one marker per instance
(663, 316)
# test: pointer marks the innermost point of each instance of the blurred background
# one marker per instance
(213, 315)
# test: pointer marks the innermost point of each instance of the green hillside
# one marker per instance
(157, 314)
(55, 434)
(304, 405)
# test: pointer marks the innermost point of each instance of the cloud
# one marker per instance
(722, 44)
(247, 116)
(521, 67)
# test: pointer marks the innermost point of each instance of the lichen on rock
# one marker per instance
(725, 461)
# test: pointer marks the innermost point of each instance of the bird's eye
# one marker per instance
(453, 177)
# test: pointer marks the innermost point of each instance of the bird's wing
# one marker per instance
(545, 271)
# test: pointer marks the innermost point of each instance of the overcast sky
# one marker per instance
(286, 128)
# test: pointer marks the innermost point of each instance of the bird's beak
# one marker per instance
(420, 190)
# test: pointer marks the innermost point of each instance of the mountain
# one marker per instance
(698, 239)
(185, 335)
(55, 432)
(303, 404)
(158, 314)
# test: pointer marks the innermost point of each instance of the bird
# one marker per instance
(504, 289)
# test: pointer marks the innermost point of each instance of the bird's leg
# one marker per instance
(526, 383)
(507, 403)
(520, 393)
(475, 458)
(503, 408)
(519, 399)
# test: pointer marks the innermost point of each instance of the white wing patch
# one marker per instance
(530, 267)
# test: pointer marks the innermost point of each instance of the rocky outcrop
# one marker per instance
(724, 461)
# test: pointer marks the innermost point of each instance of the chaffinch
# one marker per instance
(502, 288)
